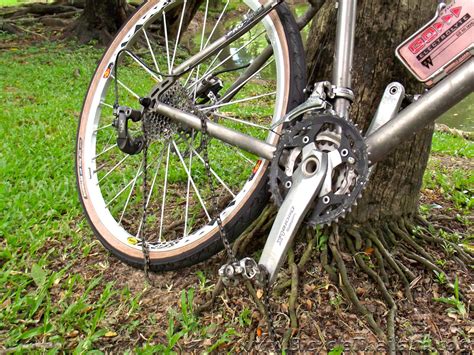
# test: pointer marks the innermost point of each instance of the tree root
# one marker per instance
(239, 245)
(347, 286)
(377, 251)
(387, 246)
(293, 299)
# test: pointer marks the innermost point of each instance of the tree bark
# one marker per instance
(381, 26)
(100, 20)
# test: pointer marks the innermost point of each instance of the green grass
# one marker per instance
(452, 145)
(21, 2)
(44, 295)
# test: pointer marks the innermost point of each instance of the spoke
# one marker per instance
(188, 187)
(165, 189)
(150, 193)
(102, 103)
(131, 92)
(126, 187)
(166, 42)
(229, 95)
(217, 23)
(151, 52)
(201, 45)
(218, 178)
(238, 101)
(179, 33)
(201, 201)
(153, 75)
(226, 58)
(123, 190)
(189, 77)
(131, 192)
(155, 176)
(239, 153)
(120, 192)
(104, 151)
(103, 127)
(218, 114)
(114, 168)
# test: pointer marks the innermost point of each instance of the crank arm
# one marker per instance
(307, 182)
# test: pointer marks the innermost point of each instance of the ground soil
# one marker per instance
(325, 319)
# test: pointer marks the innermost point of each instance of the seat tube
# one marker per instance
(343, 59)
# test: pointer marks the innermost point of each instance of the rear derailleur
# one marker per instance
(126, 143)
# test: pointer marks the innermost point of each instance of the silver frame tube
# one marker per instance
(437, 101)
(346, 23)
(427, 109)
(235, 138)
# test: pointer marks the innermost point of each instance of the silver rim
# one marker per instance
(179, 202)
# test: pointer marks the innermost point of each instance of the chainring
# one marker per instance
(348, 180)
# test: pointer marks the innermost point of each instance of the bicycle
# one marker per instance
(178, 115)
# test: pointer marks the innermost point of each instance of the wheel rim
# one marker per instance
(103, 168)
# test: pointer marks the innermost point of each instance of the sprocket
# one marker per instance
(343, 184)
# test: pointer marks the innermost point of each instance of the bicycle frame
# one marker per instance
(380, 142)
(428, 108)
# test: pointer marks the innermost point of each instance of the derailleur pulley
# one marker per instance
(126, 143)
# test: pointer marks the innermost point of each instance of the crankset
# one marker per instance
(319, 170)
(346, 177)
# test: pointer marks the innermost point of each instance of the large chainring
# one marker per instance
(343, 184)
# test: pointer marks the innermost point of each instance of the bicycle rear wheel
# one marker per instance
(226, 89)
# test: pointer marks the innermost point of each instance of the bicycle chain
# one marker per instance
(266, 277)
(223, 235)
(142, 235)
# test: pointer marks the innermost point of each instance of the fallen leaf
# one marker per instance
(309, 288)
(110, 334)
(259, 293)
(72, 334)
(86, 310)
(369, 251)
(453, 316)
(259, 332)
(309, 304)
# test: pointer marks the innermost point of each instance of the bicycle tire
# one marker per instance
(242, 211)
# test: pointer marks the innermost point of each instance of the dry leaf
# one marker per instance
(259, 332)
(453, 316)
(86, 310)
(110, 334)
(309, 288)
(72, 334)
(259, 293)
(369, 251)
(309, 304)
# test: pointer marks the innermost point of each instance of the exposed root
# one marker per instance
(385, 294)
(240, 244)
(293, 300)
(377, 251)
(208, 305)
(347, 286)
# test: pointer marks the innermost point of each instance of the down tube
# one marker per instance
(437, 101)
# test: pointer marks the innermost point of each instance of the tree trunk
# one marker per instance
(100, 20)
(381, 26)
